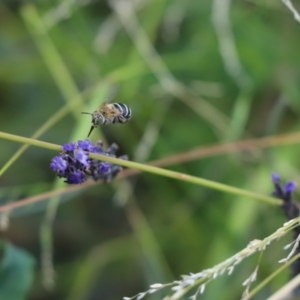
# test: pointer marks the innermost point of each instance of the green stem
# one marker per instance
(50, 54)
(269, 278)
(32, 142)
(151, 169)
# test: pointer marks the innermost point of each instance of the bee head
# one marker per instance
(96, 117)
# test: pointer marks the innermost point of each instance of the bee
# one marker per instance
(109, 113)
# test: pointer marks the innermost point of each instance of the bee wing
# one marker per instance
(112, 93)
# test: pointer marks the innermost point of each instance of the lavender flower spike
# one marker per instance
(291, 211)
(74, 163)
(290, 187)
(275, 178)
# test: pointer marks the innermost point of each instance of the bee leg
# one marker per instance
(103, 119)
(92, 128)
(122, 119)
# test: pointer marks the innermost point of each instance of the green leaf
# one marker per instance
(16, 272)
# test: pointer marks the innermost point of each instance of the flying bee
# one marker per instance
(109, 113)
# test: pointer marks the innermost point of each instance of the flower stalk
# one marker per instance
(152, 169)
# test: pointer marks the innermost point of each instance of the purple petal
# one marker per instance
(75, 178)
(104, 168)
(69, 147)
(58, 164)
(96, 149)
(290, 187)
(86, 145)
(82, 157)
(275, 178)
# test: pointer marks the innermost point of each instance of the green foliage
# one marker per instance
(16, 272)
(59, 58)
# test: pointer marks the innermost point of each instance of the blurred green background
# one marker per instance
(194, 73)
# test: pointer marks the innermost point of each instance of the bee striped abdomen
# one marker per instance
(125, 113)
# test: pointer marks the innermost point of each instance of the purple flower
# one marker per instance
(290, 187)
(275, 178)
(69, 147)
(74, 163)
(82, 157)
(86, 145)
(104, 167)
(285, 193)
(76, 177)
(58, 164)
(291, 211)
(96, 149)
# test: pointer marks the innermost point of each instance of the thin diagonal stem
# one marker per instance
(50, 54)
(152, 169)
